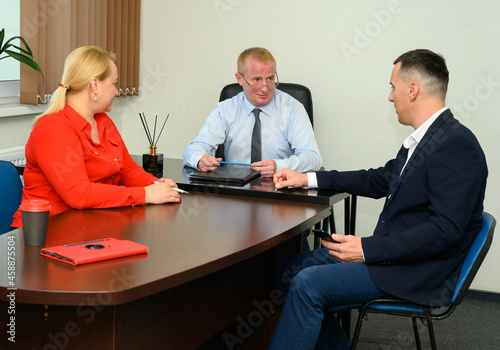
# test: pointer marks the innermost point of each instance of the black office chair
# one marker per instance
(302, 94)
(11, 188)
(297, 91)
(427, 314)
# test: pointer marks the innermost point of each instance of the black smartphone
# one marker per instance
(324, 235)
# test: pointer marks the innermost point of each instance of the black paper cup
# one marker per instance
(35, 214)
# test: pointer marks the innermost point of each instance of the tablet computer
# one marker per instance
(92, 251)
(234, 175)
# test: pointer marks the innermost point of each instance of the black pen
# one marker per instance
(95, 240)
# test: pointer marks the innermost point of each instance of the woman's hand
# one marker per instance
(162, 192)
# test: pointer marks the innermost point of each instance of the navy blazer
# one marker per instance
(431, 214)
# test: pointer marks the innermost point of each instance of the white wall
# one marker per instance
(14, 131)
(343, 51)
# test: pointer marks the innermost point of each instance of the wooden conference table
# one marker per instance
(259, 188)
(209, 265)
(263, 188)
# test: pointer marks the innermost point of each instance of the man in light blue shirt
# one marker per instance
(287, 137)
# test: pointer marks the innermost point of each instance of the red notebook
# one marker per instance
(92, 251)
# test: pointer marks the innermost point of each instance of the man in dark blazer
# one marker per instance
(434, 191)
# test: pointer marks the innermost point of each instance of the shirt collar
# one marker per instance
(82, 124)
(267, 109)
(416, 136)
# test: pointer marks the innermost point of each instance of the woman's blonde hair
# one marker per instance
(81, 66)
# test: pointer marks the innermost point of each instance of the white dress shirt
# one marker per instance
(286, 132)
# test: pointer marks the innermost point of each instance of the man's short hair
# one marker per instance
(430, 66)
(257, 53)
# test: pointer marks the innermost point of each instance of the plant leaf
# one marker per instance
(22, 50)
(24, 59)
(24, 56)
(28, 49)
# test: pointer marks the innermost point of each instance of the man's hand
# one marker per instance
(348, 249)
(208, 163)
(289, 178)
(266, 167)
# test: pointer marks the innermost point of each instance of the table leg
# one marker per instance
(353, 214)
(350, 204)
(324, 225)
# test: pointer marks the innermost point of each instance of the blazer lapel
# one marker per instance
(432, 136)
(396, 179)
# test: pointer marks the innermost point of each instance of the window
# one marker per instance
(54, 28)
(9, 68)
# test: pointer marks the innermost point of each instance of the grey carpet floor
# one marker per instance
(474, 325)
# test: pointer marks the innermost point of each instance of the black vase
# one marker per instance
(153, 162)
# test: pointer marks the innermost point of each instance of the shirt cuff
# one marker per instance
(312, 180)
(280, 164)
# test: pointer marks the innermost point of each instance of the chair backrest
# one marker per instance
(297, 91)
(474, 258)
(11, 189)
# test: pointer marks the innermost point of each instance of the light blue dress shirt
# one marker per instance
(287, 134)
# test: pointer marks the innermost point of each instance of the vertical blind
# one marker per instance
(55, 28)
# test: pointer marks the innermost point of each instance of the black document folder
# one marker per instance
(229, 174)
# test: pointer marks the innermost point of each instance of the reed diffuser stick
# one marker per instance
(145, 129)
(165, 122)
(154, 130)
(153, 140)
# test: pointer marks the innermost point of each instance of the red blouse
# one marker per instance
(66, 167)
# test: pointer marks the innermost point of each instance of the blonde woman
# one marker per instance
(75, 156)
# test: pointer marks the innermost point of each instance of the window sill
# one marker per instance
(15, 109)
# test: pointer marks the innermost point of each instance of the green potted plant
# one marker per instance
(24, 55)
